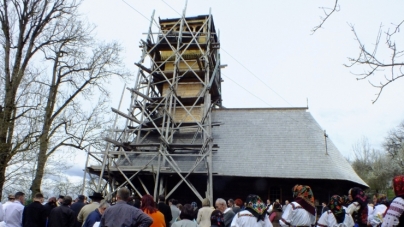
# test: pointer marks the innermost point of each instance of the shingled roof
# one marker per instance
(276, 143)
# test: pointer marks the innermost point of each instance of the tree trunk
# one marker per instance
(39, 172)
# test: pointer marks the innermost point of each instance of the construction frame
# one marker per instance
(168, 123)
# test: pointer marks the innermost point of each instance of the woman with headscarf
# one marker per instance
(376, 216)
(336, 216)
(394, 213)
(300, 212)
(204, 214)
(254, 215)
(216, 219)
(358, 209)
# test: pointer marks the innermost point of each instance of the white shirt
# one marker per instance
(6, 204)
(393, 213)
(376, 217)
(352, 208)
(328, 219)
(13, 214)
(296, 216)
(246, 219)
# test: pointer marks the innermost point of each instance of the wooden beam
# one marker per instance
(125, 115)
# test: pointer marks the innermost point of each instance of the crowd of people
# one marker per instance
(353, 210)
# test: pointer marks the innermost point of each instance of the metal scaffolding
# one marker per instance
(168, 124)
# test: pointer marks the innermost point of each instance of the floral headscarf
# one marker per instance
(217, 218)
(336, 203)
(256, 206)
(304, 197)
(359, 196)
(398, 185)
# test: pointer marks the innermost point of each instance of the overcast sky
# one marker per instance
(273, 58)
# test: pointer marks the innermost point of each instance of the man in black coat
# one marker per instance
(165, 209)
(34, 215)
(62, 216)
(76, 207)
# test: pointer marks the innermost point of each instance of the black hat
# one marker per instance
(81, 197)
(61, 196)
(96, 195)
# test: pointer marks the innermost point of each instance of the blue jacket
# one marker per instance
(92, 218)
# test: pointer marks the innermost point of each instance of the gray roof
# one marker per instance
(261, 142)
(276, 143)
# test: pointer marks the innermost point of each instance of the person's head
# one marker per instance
(381, 199)
(102, 207)
(194, 205)
(217, 218)
(60, 199)
(38, 197)
(357, 194)
(303, 191)
(205, 202)
(374, 199)
(96, 197)
(336, 207)
(20, 196)
(52, 200)
(179, 206)
(324, 204)
(81, 198)
(256, 206)
(67, 200)
(238, 202)
(187, 212)
(230, 203)
(123, 194)
(173, 202)
(304, 194)
(11, 197)
(398, 185)
(286, 202)
(268, 201)
(148, 204)
(220, 204)
(162, 198)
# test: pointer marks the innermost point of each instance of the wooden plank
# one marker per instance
(144, 68)
(125, 115)
(140, 94)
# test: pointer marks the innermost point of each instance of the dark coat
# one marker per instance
(49, 207)
(76, 207)
(62, 216)
(166, 210)
(92, 218)
(34, 215)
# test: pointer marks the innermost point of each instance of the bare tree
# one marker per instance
(23, 23)
(80, 68)
(373, 63)
(394, 145)
(327, 11)
(53, 68)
